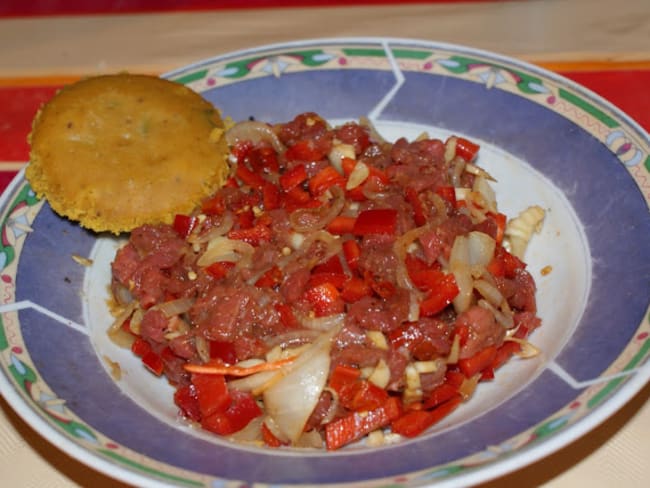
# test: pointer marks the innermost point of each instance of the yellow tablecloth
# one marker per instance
(553, 33)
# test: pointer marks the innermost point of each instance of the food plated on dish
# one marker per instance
(388, 345)
(337, 286)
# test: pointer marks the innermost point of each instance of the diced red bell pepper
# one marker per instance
(271, 278)
(292, 178)
(354, 289)
(241, 149)
(223, 350)
(140, 347)
(253, 236)
(454, 378)
(376, 221)
(287, 317)
(331, 266)
(245, 218)
(342, 376)
(366, 396)
(330, 271)
(241, 410)
(478, 362)
(248, 177)
(183, 224)
(354, 393)
(414, 422)
(406, 335)
(447, 193)
(440, 296)
(325, 179)
(263, 159)
(153, 362)
(211, 393)
(504, 353)
(347, 165)
(385, 289)
(355, 425)
(185, 399)
(325, 299)
(428, 278)
(296, 197)
(231, 182)
(440, 394)
(351, 252)
(341, 225)
(487, 374)
(415, 265)
(304, 150)
(214, 205)
(336, 279)
(219, 269)
(270, 196)
(504, 263)
(466, 149)
(419, 216)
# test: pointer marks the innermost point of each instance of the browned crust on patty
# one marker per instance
(117, 151)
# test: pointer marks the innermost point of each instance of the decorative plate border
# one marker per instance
(619, 134)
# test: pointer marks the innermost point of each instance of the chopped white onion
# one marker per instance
(378, 339)
(520, 229)
(413, 390)
(358, 175)
(400, 248)
(527, 351)
(325, 323)
(450, 149)
(296, 239)
(478, 171)
(454, 353)
(292, 398)
(504, 319)
(482, 186)
(380, 375)
(431, 366)
(252, 433)
(338, 152)
(255, 383)
(223, 228)
(459, 266)
(174, 307)
(311, 219)
(202, 348)
(481, 249)
(468, 387)
(223, 249)
(489, 292)
(256, 132)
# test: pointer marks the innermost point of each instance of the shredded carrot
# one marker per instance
(234, 370)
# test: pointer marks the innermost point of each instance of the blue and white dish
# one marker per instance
(547, 141)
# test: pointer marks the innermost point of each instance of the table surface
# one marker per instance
(601, 44)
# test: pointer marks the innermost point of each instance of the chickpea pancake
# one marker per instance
(118, 151)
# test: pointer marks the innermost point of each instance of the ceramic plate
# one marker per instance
(547, 141)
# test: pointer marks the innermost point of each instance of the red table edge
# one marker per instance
(624, 84)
